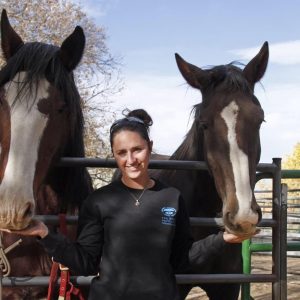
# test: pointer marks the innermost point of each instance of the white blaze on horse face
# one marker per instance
(27, 126)
(240, 166)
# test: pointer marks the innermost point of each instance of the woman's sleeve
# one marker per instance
(187, 253)
(82, 256)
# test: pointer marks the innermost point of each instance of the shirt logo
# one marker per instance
(168, 217)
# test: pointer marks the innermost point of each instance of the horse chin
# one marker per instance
(16, 225)
(245, 229)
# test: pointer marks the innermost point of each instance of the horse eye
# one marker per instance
(61, 107)
(203, 125)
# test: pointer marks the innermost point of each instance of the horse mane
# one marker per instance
(192, 146)
(228, 78)
(73, 184)
(41, 60)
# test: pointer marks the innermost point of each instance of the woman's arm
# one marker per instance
(82, 256)
(186, 252)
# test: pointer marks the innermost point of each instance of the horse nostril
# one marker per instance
(258, 210)
(229, 217)
(28, 212)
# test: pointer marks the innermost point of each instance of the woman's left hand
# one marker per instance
(236, 239)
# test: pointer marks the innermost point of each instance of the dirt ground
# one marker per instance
(263, 291)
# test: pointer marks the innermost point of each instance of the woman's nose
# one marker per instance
(130, 158)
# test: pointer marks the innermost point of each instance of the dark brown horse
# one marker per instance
(40, 121)
(225, 134)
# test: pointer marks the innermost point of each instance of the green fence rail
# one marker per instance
(290, 174)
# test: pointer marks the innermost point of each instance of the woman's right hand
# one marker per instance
(36, 228)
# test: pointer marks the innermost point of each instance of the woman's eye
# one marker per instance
(121, 153)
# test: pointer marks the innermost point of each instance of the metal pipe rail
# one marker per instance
(180, 278)
(217, 222)
(153, 164)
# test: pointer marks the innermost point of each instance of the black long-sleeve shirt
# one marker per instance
(136, 249)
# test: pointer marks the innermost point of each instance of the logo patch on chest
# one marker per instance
(168, 216)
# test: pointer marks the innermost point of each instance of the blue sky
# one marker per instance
(148, 33)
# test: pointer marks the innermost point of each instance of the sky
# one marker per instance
(146, 34)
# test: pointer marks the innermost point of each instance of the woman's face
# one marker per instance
(132, 154)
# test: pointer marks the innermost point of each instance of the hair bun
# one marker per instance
(141, 114)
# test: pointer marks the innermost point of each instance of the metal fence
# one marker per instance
(277, 223)
(262, 243)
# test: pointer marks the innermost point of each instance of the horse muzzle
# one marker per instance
(242, 223)
(16, 219)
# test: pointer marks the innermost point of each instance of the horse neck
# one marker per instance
(192, 147)
(71, 184)
(197, 187)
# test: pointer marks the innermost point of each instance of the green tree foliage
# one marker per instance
(292, 162)
(97, 76)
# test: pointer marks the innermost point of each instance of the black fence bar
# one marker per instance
(54, 220)
(221, 278)
(219, 222)
(180, 278)
(154, 164)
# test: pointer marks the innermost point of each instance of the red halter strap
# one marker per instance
(66, 288)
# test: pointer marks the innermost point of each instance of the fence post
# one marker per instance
(283, 241)
(276, 239)
(246, 253)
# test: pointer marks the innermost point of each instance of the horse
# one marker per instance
(224, 134)
(41, 120)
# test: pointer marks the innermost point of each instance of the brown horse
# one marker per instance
(40, 121)
(225, 134)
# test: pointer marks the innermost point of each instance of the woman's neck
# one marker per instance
(141, 183)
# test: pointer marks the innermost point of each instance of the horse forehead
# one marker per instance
(241, 109)
(229, 112)
(28, 95)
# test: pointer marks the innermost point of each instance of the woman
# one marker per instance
(134, 231)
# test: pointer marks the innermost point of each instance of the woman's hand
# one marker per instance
(36, 228)
(235, 239)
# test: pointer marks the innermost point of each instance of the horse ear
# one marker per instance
(10, 40)
(72, 48)
(256, 68)
(194, 76)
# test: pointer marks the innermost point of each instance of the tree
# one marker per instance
(97, 77)
(292, 162)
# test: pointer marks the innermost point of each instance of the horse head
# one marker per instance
(39, 109)
(229, 118)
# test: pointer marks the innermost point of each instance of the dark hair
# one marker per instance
(137, 120)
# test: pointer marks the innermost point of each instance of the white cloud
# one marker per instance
(169, 101)
(280, 133)
(96, 8)
(285, 53)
